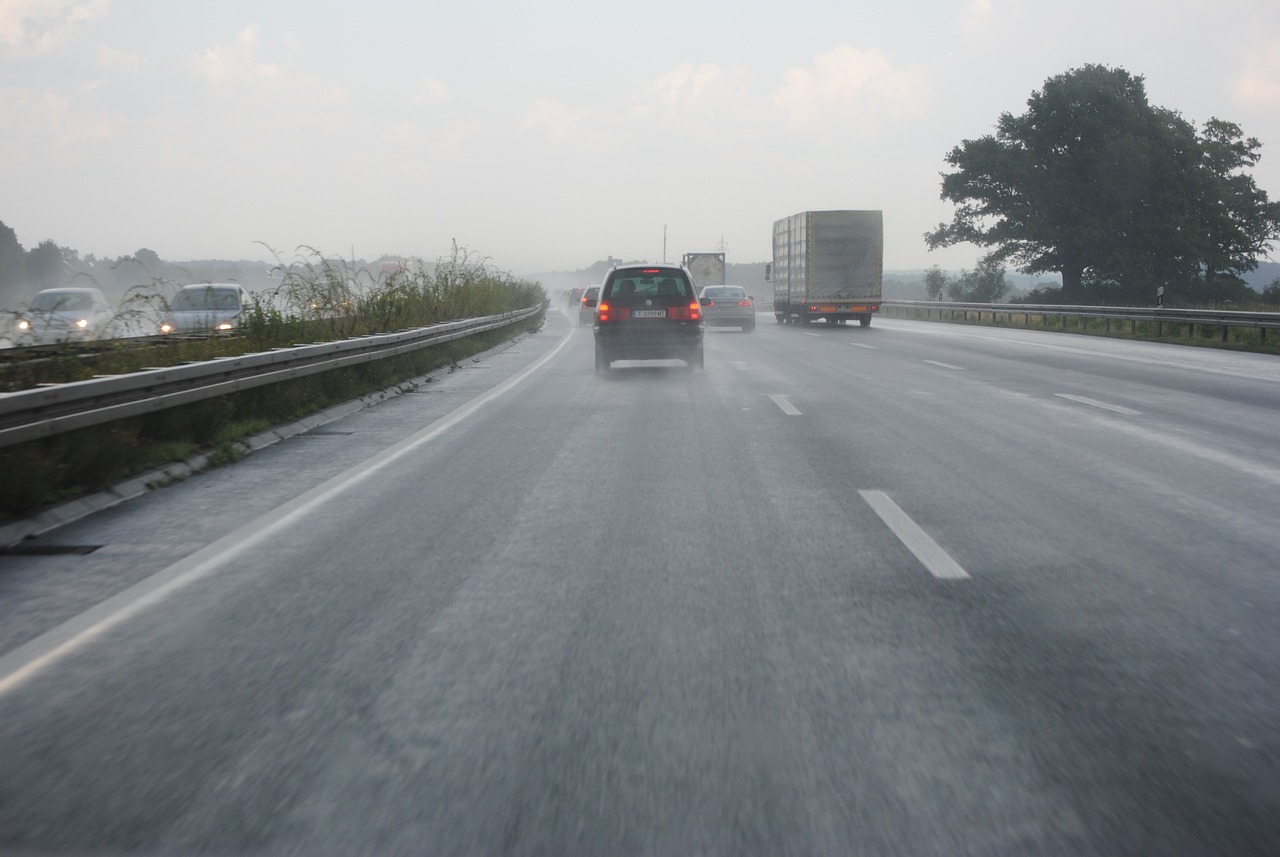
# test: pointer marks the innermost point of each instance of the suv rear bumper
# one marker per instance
(622, 341)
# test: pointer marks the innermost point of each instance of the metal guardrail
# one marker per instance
(1227, 319)
(45, 411)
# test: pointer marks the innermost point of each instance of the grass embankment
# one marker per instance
(1172, 332)
(321, 301)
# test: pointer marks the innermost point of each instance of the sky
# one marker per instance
(546, 136)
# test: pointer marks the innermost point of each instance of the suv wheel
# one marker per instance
(602, 362)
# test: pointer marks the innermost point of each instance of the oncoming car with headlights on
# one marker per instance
(72, 314)
(206, 308)
(647, 312)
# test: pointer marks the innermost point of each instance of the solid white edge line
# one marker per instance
(931, 555)
(36, 655)
(1084, 400)
(786, 407)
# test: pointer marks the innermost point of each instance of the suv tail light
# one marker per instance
(692, 312)
(604, 312)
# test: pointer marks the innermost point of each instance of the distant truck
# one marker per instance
(707, 269)
(827, 264)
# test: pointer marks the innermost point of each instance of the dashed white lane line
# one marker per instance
(916, 540)
(864, 345)
(740, 365)
(787, 408)
(1094, 403)
(944, 365)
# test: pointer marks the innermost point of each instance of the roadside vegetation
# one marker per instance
(318, 299)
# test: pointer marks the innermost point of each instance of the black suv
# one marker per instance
(647, 312)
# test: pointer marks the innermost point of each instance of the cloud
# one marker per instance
(559, 122)
(1258, 87)
(122, 60)
(684, 84)
(237, 63)
(846, 76)
(431, 90)
(71, 124)
(40, 24)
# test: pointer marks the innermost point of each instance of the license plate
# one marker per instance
(649, 313)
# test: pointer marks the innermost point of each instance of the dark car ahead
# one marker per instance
(648, 312)
(728, 306)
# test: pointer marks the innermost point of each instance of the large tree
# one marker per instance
(1239, 221)
(1116, 195)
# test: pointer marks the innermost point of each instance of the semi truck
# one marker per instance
(707, 268)
(827, 265)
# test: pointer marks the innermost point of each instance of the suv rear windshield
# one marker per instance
(639, 283)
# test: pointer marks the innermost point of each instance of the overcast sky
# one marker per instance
(548, 135)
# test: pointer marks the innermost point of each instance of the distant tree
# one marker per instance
(149, 259)
(935, 283)
(985, 284)
(1115, 194)
(1271, 293)
(46, 266)
(13, 266)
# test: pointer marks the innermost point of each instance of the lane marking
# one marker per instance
(812, 334)
(916, 540)
(944, 365)
(1094, 403)
(787, 408)
(864, 345)
(37, 655)
(740, 365)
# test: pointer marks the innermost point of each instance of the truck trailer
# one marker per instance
(707, 268)
(827, 265)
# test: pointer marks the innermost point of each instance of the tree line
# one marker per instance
(24, 272)
(1118, 196)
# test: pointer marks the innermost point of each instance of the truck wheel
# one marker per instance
(865, 321)
(780, 319)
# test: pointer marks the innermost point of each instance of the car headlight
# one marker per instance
(226, 325)
(23, 324)
(166, 328)
(82, 323)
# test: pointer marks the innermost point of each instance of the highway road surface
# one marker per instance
(911, 589)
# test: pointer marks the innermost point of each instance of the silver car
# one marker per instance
(728, 306)
(205, 308)
(72, 314)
